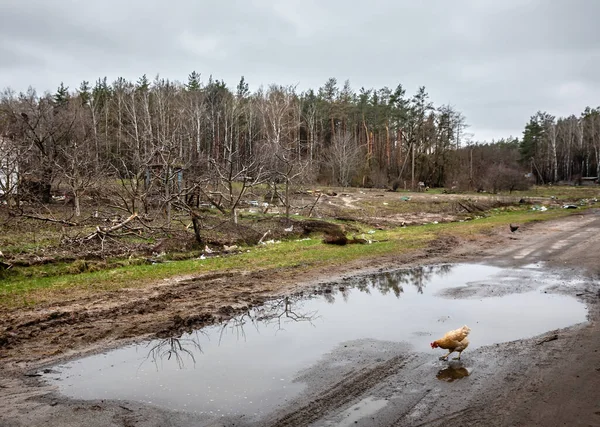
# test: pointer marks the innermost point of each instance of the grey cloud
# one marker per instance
(12, 58)
(497, 62)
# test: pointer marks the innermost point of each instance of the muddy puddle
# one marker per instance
(248, 365)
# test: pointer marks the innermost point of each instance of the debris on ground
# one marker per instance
(549, 338)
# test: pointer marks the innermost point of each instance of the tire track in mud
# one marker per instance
(562, 241)
(353, 385)
(440, 420)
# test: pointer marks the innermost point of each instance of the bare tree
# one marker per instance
(281, 147)
(74, 159)
(35, 122)
(233, 174)
(343, 157)
(9, 170)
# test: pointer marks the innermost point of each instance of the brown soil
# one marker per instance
(551, 384)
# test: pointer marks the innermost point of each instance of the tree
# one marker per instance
(73, 163)
(233, 174)
(142, 131)
(420, 106)
(194, 83)
(281, 152)
(327, 95)
(85, 92)
(590, 133)
(538, 147)
(503, 178)
(9, 170)
(243, 90)
(343, 157)
(37, 124)
(61, 97)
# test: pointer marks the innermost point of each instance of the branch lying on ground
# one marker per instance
(313, 206)
(102, 232)
(263, 237)
(59, 221)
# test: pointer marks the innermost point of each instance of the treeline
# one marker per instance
(202, 140)
(207, 132)
(564, 148)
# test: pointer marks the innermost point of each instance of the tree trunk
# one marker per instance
(412, 173)
(197, 228)
(76, 203)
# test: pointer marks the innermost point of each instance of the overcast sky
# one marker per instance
(498, 62)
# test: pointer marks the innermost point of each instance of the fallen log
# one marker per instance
(102, 232)
(58, 221)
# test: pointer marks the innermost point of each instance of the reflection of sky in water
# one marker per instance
(248, 365)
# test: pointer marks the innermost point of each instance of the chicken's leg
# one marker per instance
(458, 358)
(445, 357)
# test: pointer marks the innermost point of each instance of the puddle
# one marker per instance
(362, 409)
(452, 373)
(248, 365)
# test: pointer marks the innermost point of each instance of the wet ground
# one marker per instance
(381, 379)
(252, 364)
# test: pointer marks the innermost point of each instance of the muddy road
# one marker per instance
(551, 379)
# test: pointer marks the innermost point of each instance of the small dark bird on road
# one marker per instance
(513, 228)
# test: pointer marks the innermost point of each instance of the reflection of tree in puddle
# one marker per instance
(452, 373)
(275, 312)
(176, 348)
(278, 312)
(394, 281)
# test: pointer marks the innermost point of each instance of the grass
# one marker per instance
(561, 192)
(39, 284)
(303, 253)
(25, 242)
(388, 207)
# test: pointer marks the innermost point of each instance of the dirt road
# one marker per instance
(522, 383)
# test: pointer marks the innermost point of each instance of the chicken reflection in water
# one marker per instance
(275, 312)
(455, 371)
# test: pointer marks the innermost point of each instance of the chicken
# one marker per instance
(455, 340)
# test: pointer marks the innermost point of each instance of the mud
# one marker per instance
(533, 382)
(267, 345)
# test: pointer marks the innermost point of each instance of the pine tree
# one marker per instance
(194, 83)
(85, 92)
(61, 96)
(101, 93)
(143, 84)
(242, 88)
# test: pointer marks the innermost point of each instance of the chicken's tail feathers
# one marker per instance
(466, 329)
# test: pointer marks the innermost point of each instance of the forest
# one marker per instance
(176, 145)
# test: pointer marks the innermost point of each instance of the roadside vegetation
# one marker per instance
(49, 261)
(120, 184)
